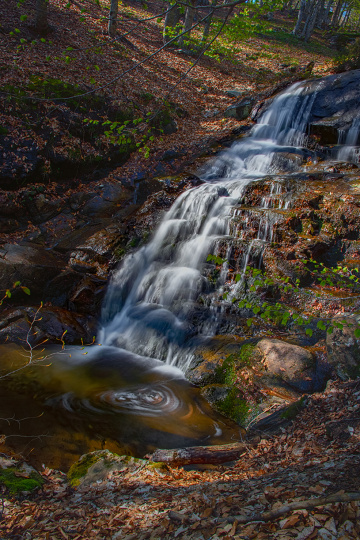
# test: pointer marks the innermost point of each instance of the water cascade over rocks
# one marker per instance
(162, 304)
(152, 306)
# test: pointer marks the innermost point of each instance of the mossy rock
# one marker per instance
(18, 480)
(96, 466)
(226, 400)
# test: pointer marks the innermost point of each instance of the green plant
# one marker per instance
(9, 292)
(281, 310)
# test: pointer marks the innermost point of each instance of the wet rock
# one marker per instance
(343, 348)
(173, 153)
(337, 97)
(88, 295)
(325, 131)
(30, 264)
(47, 323)
(291, 363)
(240, 110)
(62, 287)
(209, 357)
(105, 202)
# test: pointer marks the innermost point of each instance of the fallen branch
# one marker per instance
(220, 453)
(298, 505)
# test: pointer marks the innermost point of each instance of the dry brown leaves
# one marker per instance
(316, 456)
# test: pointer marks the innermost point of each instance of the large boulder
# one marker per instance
(291, 363)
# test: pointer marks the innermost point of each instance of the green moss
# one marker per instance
(293, 410)
(79, 469)
(234, 407)
(227, 372)
(3, 130)
(16, 484)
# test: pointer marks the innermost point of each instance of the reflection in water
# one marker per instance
(100, 397)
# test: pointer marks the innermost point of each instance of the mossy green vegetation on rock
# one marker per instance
(96, 466)
(227, 372)
(229, 401)
(293, 410)
(234, 407)
(17, 481)
(79, 469)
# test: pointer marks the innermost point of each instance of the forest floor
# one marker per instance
(316, 458)
(78, 51)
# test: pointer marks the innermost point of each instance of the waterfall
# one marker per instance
(350, 151)
(153, 305)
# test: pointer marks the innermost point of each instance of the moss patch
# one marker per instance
(15, 481)
(227, 372)
(234, 407)
(79, 469)
(293, 410)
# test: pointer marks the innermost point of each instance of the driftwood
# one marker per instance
(220, 453)
(298, 505)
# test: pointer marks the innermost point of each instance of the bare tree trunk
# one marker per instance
(114, 7)
(189, 17)
(346, 17)
(335, 18)
(300, 18)
(41, 22)
(326, 16)
(171, 20)
(320, 14)
(311, 20)
(208, 24)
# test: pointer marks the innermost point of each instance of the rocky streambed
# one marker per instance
(306, 207)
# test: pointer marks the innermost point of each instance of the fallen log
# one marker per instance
(220, 453)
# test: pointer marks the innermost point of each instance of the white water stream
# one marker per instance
(349, 151)
(152, 301)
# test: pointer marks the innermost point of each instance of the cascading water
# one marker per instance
(151, 306)
(350, 151)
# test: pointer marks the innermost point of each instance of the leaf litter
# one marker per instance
(227, 501)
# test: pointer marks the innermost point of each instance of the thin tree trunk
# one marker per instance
(327, 12)
(171, 20)
(189, 17)
(41, 21)
(335, 18)
(208, 24)
(300, 18)
(320, 14)
(346, 17)
(114, 7)
(310, 23)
